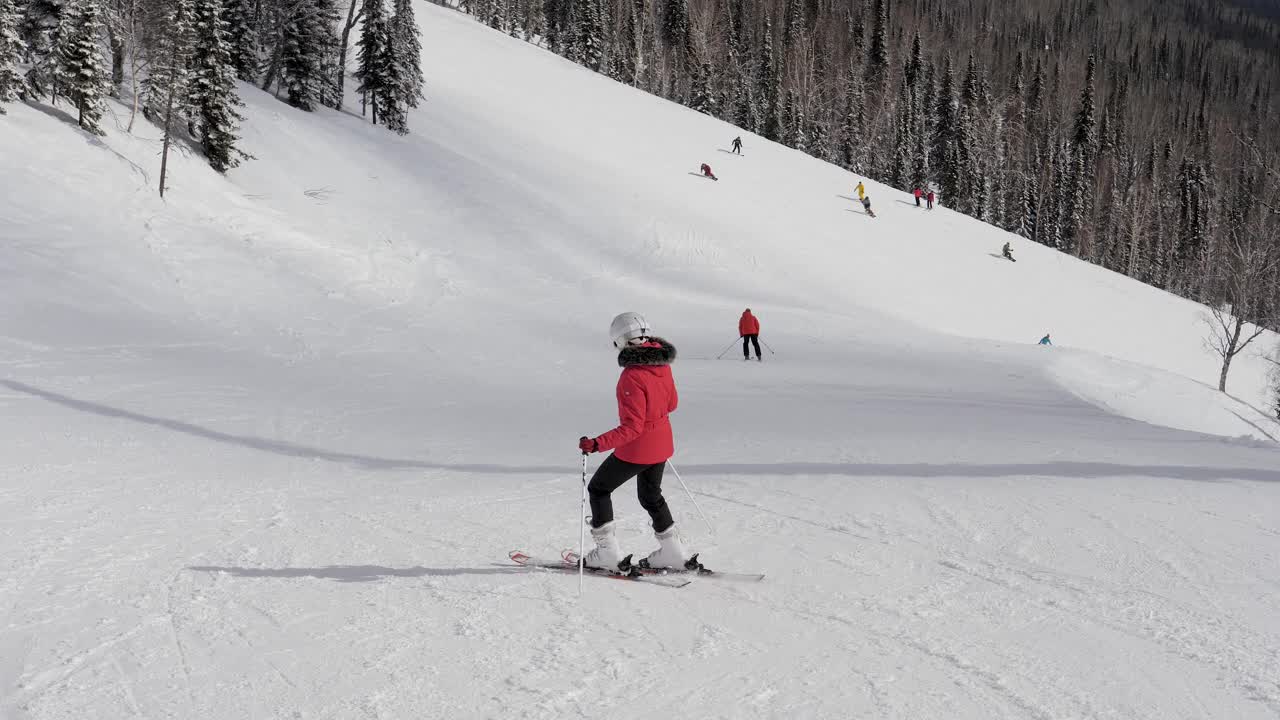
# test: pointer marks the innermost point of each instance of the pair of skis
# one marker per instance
(634, 572)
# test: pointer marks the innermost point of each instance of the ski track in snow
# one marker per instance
(268, 442)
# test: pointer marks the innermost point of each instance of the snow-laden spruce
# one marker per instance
(307, 46)
(11, 50)
(211, 91)
(380, 72)
(407, 42)
(242, 39)
(80, 73)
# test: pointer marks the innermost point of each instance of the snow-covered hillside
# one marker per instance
(270, 440)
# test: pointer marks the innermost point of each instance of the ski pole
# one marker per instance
(582, 519)
(735, 342)
(771, 352)
(695, 502)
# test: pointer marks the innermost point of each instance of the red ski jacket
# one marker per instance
(646, 396)
(749, 324)
(918, 193)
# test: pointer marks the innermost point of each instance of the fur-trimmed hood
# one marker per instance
(655, 351)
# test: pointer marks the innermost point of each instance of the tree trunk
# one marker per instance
(168, 134)
(1229, 353)
(117, 62)
(274, 68)
(133, 82)
(352, 18)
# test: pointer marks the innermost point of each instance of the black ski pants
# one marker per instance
(610, 476)
(753, 340)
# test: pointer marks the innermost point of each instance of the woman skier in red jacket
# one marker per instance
(641, 444)
(749, 330)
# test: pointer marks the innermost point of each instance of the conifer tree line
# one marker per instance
(177, 61)
(1116, 132)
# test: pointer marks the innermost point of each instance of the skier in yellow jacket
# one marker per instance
(861, 190)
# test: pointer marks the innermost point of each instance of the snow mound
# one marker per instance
(1158, 396)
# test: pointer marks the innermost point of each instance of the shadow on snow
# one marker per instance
(355, 573)
(1066, 469)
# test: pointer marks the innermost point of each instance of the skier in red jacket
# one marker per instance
(749, 329)
(642, 443)
(918, 193)
(706, 172)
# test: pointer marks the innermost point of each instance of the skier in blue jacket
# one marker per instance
(1045, 340)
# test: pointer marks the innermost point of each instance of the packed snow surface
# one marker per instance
(269, 441)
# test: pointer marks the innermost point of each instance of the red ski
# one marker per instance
(632, 573)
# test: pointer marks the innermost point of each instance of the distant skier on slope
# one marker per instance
(1007, 252)
(1045, 340)
(929, 199)
(706, 172)
(737, 146)
(917, 192)
(642, 443)
(749, 330)
(866, 205)
(862, 191)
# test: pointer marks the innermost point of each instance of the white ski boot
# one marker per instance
(605, 555)
(670, 553)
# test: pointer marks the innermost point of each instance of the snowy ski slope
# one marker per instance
(268, 443)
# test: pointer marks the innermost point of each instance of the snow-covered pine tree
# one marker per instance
(1027, 222)
(242, 39)
(745, 112)
(817, 134)
(793, 26)
(395, 116)
(37, 27)
(1059, 197)
(948, 120)
(556, 15)
(915, 64)
(1077, 228)
(11, 50)
(852, 123)
(407, 44)
(903, 140)
(877, 68)
(675, 24)
(919, 159)
(378, 70)
(647, 43)
(302, 55)
(324, 28)
(211, 93)
(701, 98)
(770, 94)
(590, 34)
(80, 70)
(371, 67)
(516, 17)
(796, 122)
(856, 24)
(625, 52)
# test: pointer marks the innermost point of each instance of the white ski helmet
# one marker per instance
(627, 327)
